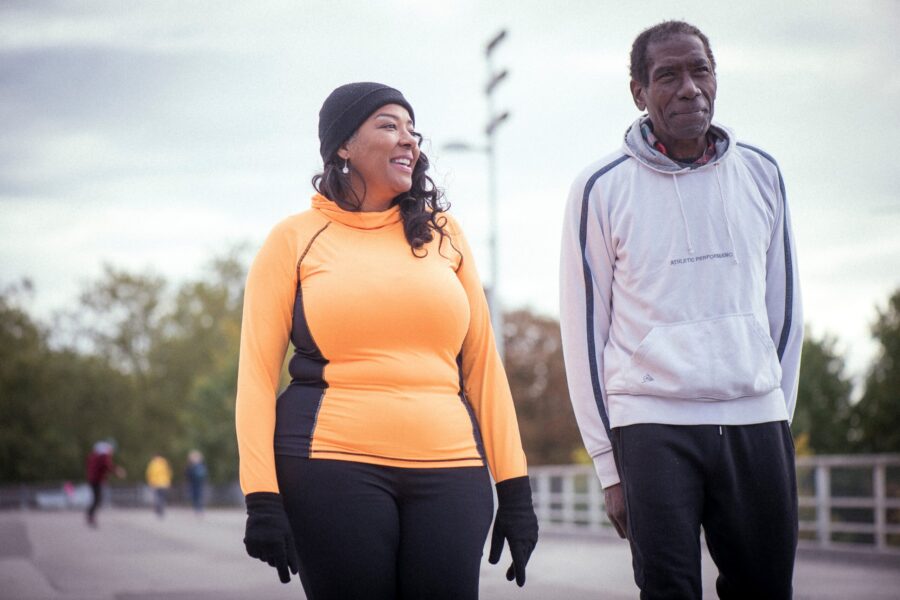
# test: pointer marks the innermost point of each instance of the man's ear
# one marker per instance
(637, 94)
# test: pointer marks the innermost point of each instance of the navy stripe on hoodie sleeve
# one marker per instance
(589, 291)
(788, 264)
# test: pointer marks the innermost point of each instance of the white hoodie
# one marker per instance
(679, 295)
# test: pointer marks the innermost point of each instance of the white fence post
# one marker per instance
(879, 491)
(543, 497)
(823, 505)
(595, 495)
(568, 498)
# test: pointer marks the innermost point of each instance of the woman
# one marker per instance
(368, 472)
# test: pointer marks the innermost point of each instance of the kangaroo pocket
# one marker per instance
(719, 359)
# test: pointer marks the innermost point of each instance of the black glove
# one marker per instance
(268, 535)
(517, 523)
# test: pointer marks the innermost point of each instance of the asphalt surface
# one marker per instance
(133, 555)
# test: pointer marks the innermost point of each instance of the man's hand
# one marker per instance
(614, 498)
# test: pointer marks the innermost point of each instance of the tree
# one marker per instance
(55, 403)
(123, 311)
(877, 416)
(177, 360)
(120, 321)
(203, 338)
(22, 348)
(537, 377)
(822, 417)
(81, 400)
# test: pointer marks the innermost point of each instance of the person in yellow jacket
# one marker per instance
(159, 478)
(369, 472)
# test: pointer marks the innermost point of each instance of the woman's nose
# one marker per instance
(409, 139)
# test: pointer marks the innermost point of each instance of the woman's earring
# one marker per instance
(346, 169)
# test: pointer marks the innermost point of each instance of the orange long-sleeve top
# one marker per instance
(394, 357)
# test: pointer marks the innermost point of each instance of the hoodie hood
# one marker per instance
(636, 146)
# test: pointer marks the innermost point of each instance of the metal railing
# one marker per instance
(846, 502)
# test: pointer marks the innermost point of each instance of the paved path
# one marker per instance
(135, 556)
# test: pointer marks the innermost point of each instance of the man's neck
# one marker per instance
(698, 155)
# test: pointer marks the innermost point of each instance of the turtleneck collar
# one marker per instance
(357, 220)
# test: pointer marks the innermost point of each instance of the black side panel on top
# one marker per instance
(298, 405)
(476, 429)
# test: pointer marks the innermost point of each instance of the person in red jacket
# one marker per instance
(99, 466)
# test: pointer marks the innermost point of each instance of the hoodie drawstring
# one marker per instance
(725, 213)
(687, 230)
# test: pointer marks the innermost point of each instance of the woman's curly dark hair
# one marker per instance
(420, 207)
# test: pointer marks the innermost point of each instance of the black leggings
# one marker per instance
(368, 531)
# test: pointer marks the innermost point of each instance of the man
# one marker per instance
(99, 465)
(680, 314)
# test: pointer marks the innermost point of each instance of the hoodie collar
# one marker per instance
(356, 219)
(709, 153)
(637, 146)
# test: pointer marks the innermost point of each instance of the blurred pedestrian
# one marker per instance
(69, 491)
(159, 478)
(373, 460)
(99, 466)
(196, 473)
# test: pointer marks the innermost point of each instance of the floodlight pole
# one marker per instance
(493, 121)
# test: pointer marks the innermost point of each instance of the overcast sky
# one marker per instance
(154, 135)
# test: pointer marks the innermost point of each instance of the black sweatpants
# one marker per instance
(374, 532)
(736, 481)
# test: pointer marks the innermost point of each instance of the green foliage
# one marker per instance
(21, 349)
(876, 419)
(822, 417)
(120, 314)
(203, 341)
(156, 371)
(153, 372)
(55, 403)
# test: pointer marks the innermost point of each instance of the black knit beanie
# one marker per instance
(347, 107)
